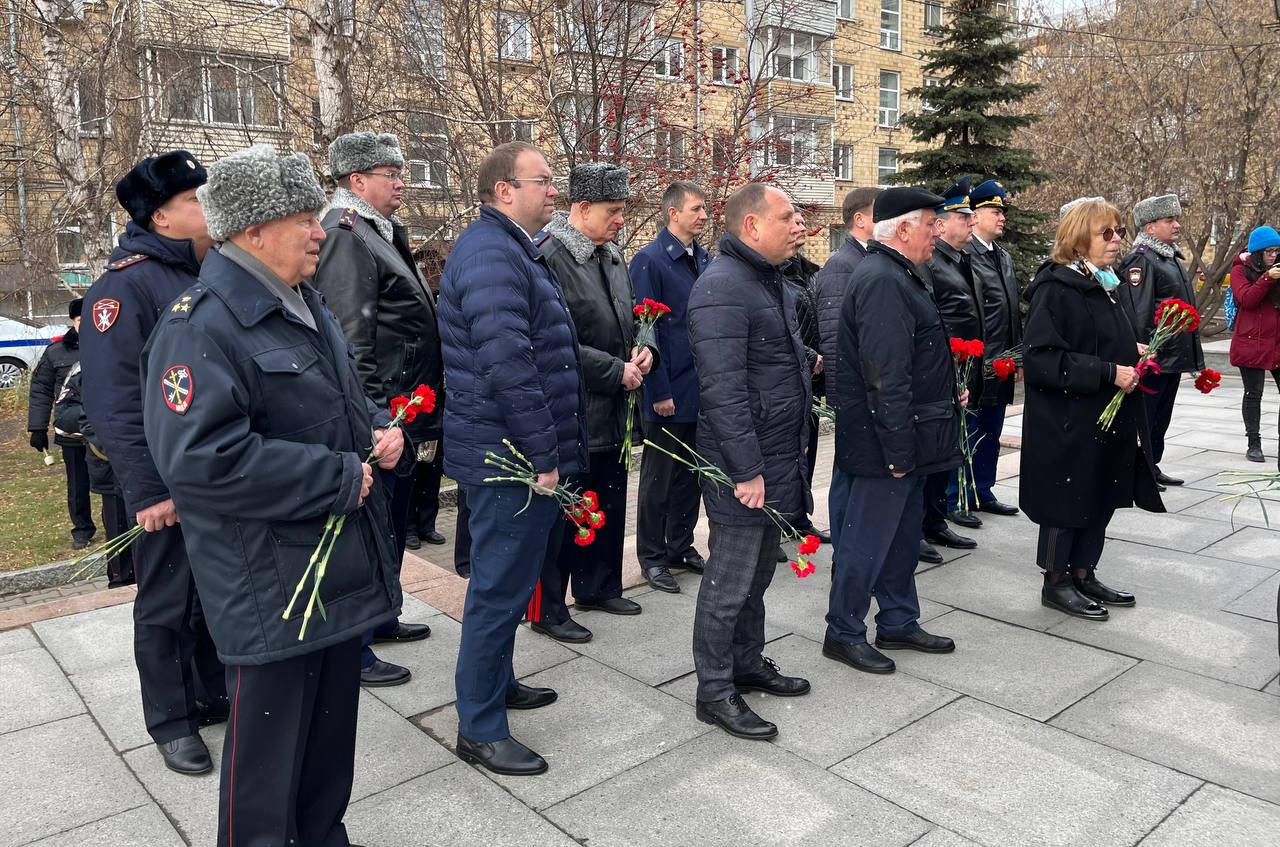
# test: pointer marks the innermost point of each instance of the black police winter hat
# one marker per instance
(893, 202)
(75, 307)
(151, 183)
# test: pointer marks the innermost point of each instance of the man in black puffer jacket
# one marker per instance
(899, 423)
(47, 380)
(753, 379)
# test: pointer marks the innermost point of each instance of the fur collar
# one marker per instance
(1155, 245)
(579, 246)
(345, 198)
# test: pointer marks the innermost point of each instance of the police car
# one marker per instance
(21, 346)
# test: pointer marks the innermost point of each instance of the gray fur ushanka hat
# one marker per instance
(1155, 208)
(598, 181)
(362, 151)
(257, 185)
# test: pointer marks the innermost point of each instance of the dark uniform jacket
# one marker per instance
(1073, 472)
(754, 382)
(949, 275)
(47, 379)
(598, 290)
(995, 278)
(900, 412)
(665, 272)
(259, 425)
(510, 355)
(144, 275)
(801, 275)
(833, 282)
(1147, 278)
(386, 310)
(69, 416)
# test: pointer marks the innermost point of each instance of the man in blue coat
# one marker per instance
(511, 365)
(667, 504)
(158, 258)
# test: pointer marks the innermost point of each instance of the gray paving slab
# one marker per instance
(1238, 512)
(1004, 665)
(1211, 642)
(602, 724)
(114, 697)
(1226, 442)
(145, 826)
(433, 661)
(191, 802)
(805, 725)
(58, 776)
(1251, 545)
(1181, 497)
(1273, 687)
(943, 838)
(1175, 532)
(16, 640)
(450, 807)
(999, 778)
(719, 791)
(90, 639)
(989, 586)
(1214, 817)
(34, 691)
(1177, 579)
(1258, 602)
(1224, 733)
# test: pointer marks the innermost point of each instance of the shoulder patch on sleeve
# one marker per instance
(104, 313)
(1135, 276)
(121, 264)
(347, 220)
(178, 387)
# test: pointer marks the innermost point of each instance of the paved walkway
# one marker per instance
(1160, 727)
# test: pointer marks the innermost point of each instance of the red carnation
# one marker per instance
(403, 409)
(810, 545)
(639, 311)
(426, 398)
(662, 308)
(958, 348)
(1178, 313)
(578, 515)
(1208, 380)
(595, 519)
(585, 536)
(1004, 368)
(974, 348)
(803, 568)
(591, 500)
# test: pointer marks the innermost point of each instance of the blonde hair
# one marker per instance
(1078, 227)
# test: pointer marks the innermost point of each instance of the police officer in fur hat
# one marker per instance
(259, 424)
(158, 258)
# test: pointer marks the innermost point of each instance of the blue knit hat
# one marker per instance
(1262, 238)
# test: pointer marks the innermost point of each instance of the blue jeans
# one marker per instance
(507, 550)
(985, 427)
(837, 503)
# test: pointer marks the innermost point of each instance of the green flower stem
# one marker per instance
(105, 553)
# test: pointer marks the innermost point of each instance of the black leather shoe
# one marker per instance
(411, 540)
(782, 556)
(691, 561)
(995, 507)
(612, 606)
(928, 554)
(918, 640)
(528, 697)
(383, 675)
(1064, 597)
(433, 537)
(661, 579)
(570, 632)
(771, 681)
(1255, 454)
(965, 519)
(404, 632)
(1164, 479)
(1090, 587)
(80, 543)
(824, 537)
(862, 656)
(735, 717)
(946, 538)
(507, 756)
(186, 755)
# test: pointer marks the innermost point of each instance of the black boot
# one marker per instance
(1090, 587)
(1254, 453)
(1063, 596)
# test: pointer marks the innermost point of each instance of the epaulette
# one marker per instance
(347, 220)
(542, 240)
(188, 300)
(121, 264)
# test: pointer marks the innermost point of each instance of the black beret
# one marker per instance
(151, 183)
(893, 202)
(75, 307)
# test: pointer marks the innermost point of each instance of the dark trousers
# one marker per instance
(78, 505)
(595, 570)
(935, 502)
(288, 760)
(177, 661)
(728, 624)
(462, 536)
(985, 426)
(1251, 407)
(400, 490)
(1160, 408)
(810, 464)
(877, 555)
(837, 503)
(508, 542)
(668, 500)
(424, 504)
(1060, 549)
(116, 521)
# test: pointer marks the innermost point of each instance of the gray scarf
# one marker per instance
(579, 246)
(345, 198)
(1155, 245)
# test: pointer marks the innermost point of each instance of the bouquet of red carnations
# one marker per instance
(647, 313)
(1005, 365)
(1173, 317)
(963, 355)
(581, 509)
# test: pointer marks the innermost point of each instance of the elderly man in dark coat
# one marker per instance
(579, 249)
(754, 384)
(899, 423)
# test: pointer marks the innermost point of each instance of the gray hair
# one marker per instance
(885, 230)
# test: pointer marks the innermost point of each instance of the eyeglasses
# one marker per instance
(1113, 231)
(389, 175)
(540, 181)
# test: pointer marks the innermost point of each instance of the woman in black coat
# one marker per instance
(1079, 348)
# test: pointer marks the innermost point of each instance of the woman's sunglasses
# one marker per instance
(1113, 231)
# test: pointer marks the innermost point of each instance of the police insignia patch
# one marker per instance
(1135, 276)
(105, 312)
(179, 388)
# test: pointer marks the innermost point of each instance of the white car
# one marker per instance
(21, 346)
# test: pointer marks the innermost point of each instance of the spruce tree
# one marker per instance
(971, 116)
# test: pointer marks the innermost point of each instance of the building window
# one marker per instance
(670, 60)
(891, 24)
(930, 82)
(91, 106)
(514, 130)
(515, 41)
(427, 152)
(886, 164)
(611, 27)
(70, 247)
(842, 79)
(344, 14)
(179, 78)
(219, 89)
(837, 235)
(668, 149)
(724, 64)
(795, 56)
(1007, 9)
(842, 161)
(932, 15)
(424, 23)
(847, 9)
(795, 141)
(890, 95)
